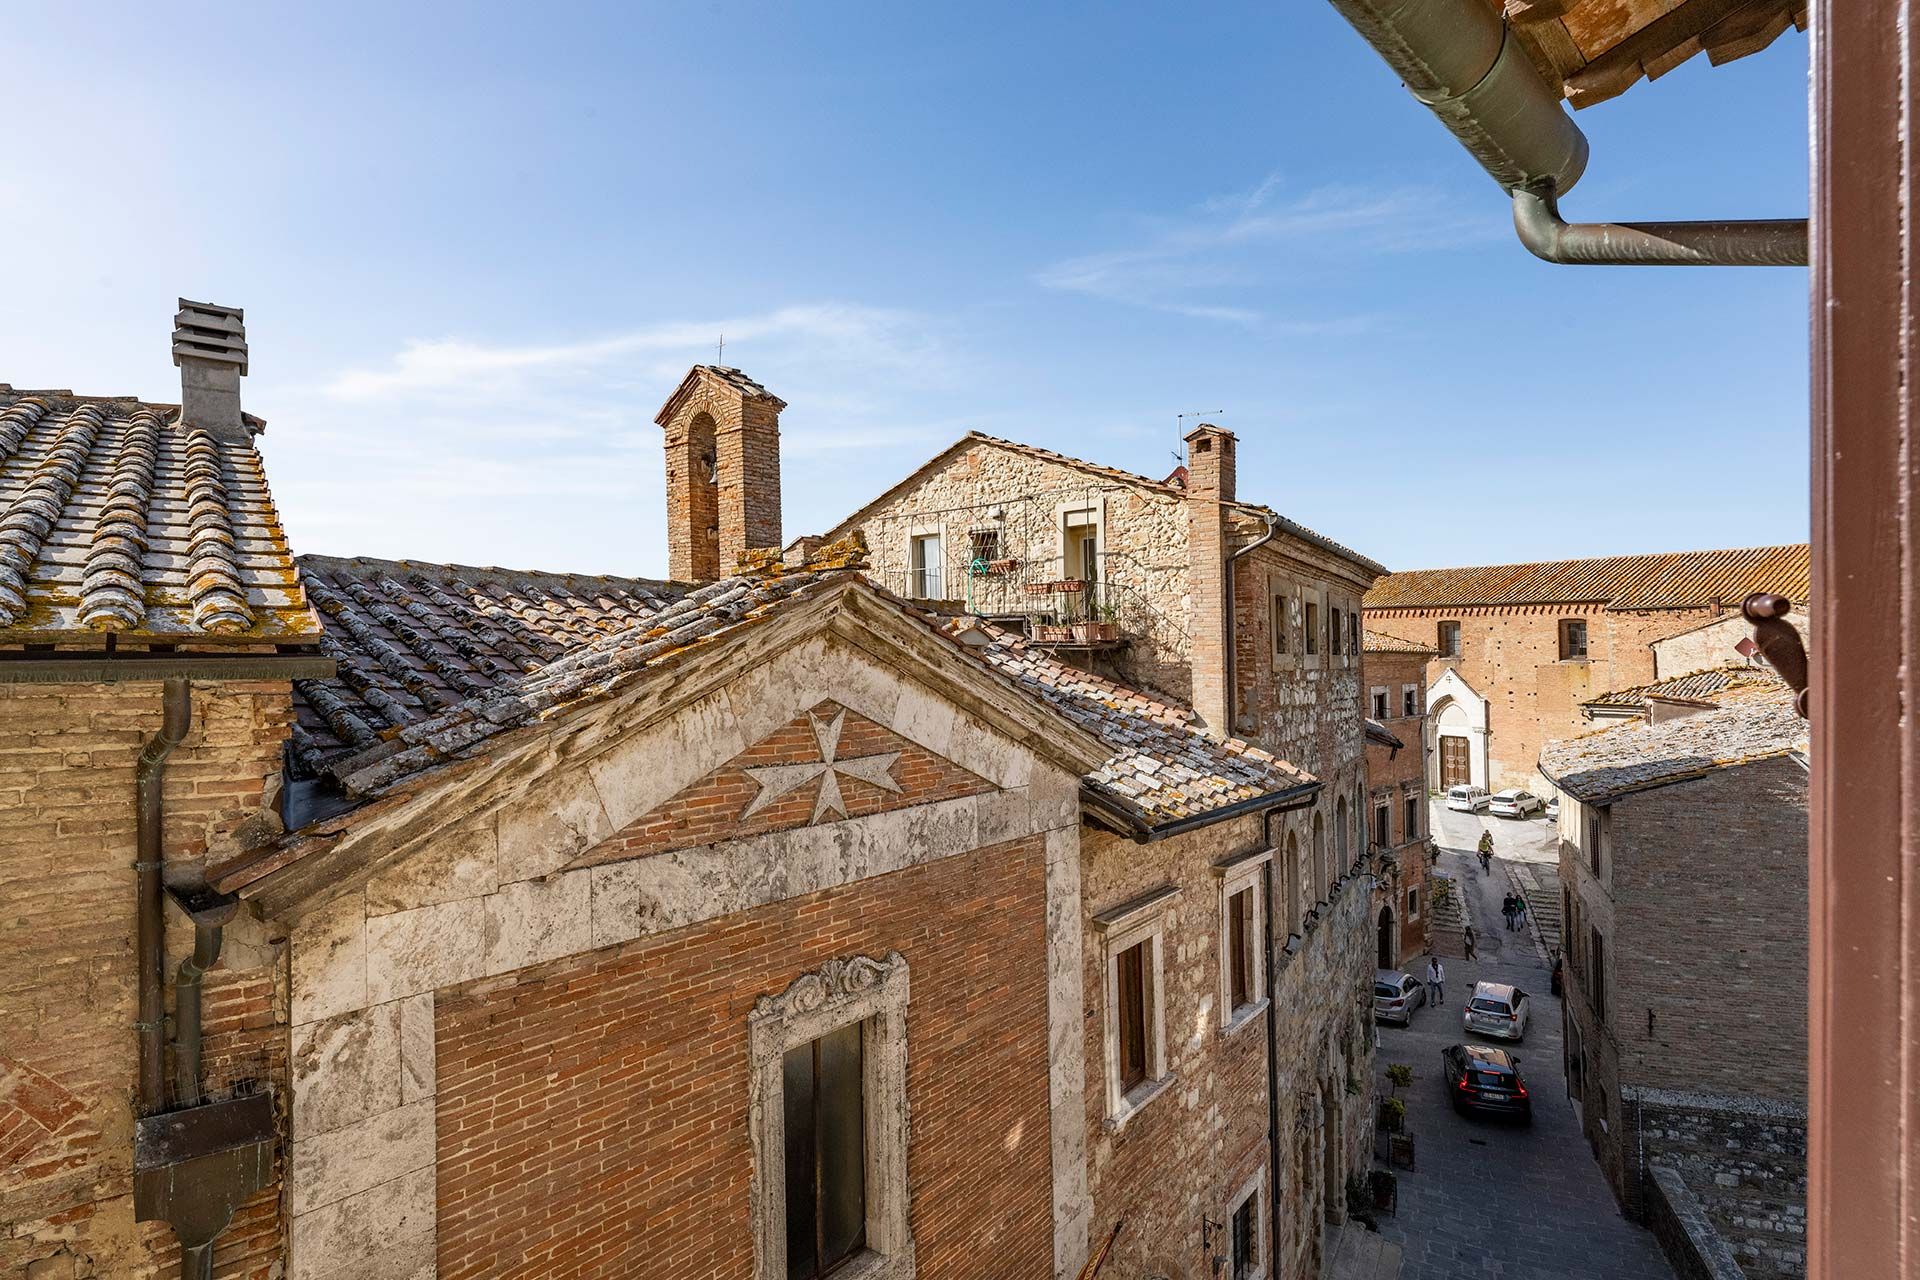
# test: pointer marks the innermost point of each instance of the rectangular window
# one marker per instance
(1313, 628)
(1380, 711)
(826, 1152)
(983, 548)
(1573, 638)
(1135, 1003)
(1409, 699)
(1240, 949)
(1413, 904)
(1282, 632)
(1246, 1241)
(1449, 639)
(1333, 632)
(925, 576)
(1353, 634)
(1595, 829)
(1597, 975)
(1382, 823)
(1412, 817)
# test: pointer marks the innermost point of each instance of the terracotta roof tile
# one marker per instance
(1755, 724)
(1672, 580)
(414, 639)
(1165, 767)
(114, 518)
(1701, 686)
(1379, 642)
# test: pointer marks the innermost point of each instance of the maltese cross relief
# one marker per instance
(777, 780)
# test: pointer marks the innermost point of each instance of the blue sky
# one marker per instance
(477, 247)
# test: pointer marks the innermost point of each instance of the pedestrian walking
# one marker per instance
(1486, 852)
(1467, 937)
(1520, 910)
(1506, 911)
(1436, 979)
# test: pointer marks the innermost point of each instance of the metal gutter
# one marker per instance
(95, 668)
(1125, 823)
(1461, 60)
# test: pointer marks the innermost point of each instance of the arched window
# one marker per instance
(1319, 859)
(1294, 875)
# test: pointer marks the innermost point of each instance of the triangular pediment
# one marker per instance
(828, 764)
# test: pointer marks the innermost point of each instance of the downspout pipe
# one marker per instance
(1463, 62)
(1273, 1056)
(149, 940)
(186, 1010)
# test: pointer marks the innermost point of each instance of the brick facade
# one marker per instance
(722, 437)
(593, 1114)
(1700, 903)
(1397, 782)
(1511, 657)
(67, 974)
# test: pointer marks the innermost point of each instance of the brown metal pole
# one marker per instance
(149, 938)
(1863, 1158)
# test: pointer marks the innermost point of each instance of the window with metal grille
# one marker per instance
(825, 1111)
(1449, 639)
(1246, 1240)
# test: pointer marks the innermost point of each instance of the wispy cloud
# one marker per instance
(1242, 240)
(425, 452)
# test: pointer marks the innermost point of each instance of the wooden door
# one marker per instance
(1454, 770)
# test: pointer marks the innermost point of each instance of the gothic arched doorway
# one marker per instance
(1389, 954)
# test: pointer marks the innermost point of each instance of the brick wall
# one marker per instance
(67, 975)
(1511, 657)
(1394, 777)
(592, 1112)
(710, 522)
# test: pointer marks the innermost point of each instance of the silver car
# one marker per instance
(1396, 996)
(1497, 1010)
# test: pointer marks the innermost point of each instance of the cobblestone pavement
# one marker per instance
(1489, 1200)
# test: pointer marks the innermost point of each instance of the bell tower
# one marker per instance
(723, 471)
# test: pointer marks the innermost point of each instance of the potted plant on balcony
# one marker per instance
(1053, 632)
(1100, 629)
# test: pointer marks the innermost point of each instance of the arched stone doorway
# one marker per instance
(1389, 953)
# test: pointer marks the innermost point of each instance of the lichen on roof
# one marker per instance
(1756, 723)
(1671, 580)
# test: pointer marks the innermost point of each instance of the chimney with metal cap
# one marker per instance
(210, 347)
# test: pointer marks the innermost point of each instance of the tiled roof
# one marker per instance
(1596, 768)
(1379, 733)
(1673, 580)
(115, 519)
(1165, 768)
(414, 639)
(1173, 486)
(726, 374)
(1700, 686)
(586, 672)
(1379, 642)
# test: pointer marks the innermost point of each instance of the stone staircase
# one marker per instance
(1539, 884)
(1360, 1254)
(1447, 928)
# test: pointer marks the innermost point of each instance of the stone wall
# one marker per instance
(67, 973)
(1143, 545)
(1511, 657)
(1742, 1161)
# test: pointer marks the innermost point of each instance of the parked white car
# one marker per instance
(1497, 1010)
(1467, 799)
(1513, 803)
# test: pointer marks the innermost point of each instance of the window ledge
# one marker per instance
(877, 1266)
(1136, 1101)
(1245, 1014)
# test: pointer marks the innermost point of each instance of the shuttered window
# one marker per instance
(825, 1103)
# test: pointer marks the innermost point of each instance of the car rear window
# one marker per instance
(1492, 1080)
(1487, 1006)
(1382, 989)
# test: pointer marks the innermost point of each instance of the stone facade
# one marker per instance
(1738, 1164)
(1511, 660)
(1396, 802)
(1686, 972)
(1020, 501)
(67, 973)
(430, 997)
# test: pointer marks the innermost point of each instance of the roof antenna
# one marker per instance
(1180, 430)
(720, 358)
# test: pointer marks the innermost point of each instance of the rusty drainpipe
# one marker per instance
(149, 941)
(186, 1010)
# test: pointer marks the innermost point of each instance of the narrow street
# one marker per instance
(1490, 1200)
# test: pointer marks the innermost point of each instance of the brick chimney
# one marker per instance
(210, 348)
(723, 472)
(1209, 484)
